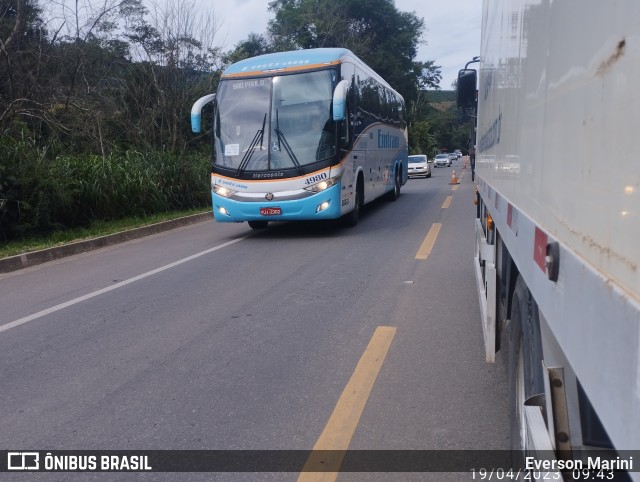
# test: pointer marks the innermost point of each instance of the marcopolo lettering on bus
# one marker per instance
(387, 140)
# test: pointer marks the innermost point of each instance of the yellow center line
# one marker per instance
(447, 202)
(337, 434)
(429, 241)
(455, 187)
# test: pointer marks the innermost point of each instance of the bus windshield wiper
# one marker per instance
(259, 136)
(287, 147)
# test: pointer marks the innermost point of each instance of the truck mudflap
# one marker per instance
(539, 444)
(485, 270)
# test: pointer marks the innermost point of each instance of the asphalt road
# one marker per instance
(214, 336)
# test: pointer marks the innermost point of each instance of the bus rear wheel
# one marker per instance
(397, 184)
(258, 224)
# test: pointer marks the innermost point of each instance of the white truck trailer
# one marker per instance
(557, 255)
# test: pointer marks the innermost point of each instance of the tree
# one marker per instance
(23, 51)
(175, 58)
(254, 45)
(427, 74)
(422, 140)
(375, 30)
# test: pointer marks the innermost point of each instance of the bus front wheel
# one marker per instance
(351, 218)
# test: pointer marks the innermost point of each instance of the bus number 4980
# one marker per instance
(316, 178)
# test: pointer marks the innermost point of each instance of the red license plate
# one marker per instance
(270, 211)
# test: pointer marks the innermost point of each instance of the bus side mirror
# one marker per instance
(340, 100)
(467, 79)
(196, 112)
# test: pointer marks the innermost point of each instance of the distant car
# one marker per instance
(442, 160)
(419, 166)
(453, 156)
(458, 153)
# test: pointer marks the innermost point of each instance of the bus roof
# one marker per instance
(287, 61)
(297, 60)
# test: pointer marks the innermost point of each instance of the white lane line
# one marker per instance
(99, 292)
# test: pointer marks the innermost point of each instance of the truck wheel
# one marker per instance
(525, 360)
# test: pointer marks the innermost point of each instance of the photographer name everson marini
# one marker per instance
(592, 463)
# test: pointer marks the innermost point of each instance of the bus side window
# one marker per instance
(215, 130)
(345, 127)
(354, 104)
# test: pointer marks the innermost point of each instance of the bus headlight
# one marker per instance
(222, 191)
(324, 184)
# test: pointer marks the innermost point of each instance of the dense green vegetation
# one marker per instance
(97, 229)
(95, 99)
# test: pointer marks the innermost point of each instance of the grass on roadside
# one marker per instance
(97, 229)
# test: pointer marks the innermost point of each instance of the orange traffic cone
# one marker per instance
(454, 179)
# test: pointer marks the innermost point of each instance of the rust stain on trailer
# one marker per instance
(605, 251)
(609, 253)
(617, 54)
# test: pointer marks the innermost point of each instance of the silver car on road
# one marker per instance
(419, 166)
(442, 160)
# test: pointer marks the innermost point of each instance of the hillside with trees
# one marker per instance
(95, 99)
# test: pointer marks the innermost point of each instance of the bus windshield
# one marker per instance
(275, 123)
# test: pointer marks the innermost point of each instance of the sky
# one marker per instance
(452, 29)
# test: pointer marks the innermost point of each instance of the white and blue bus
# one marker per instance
(303, 135)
